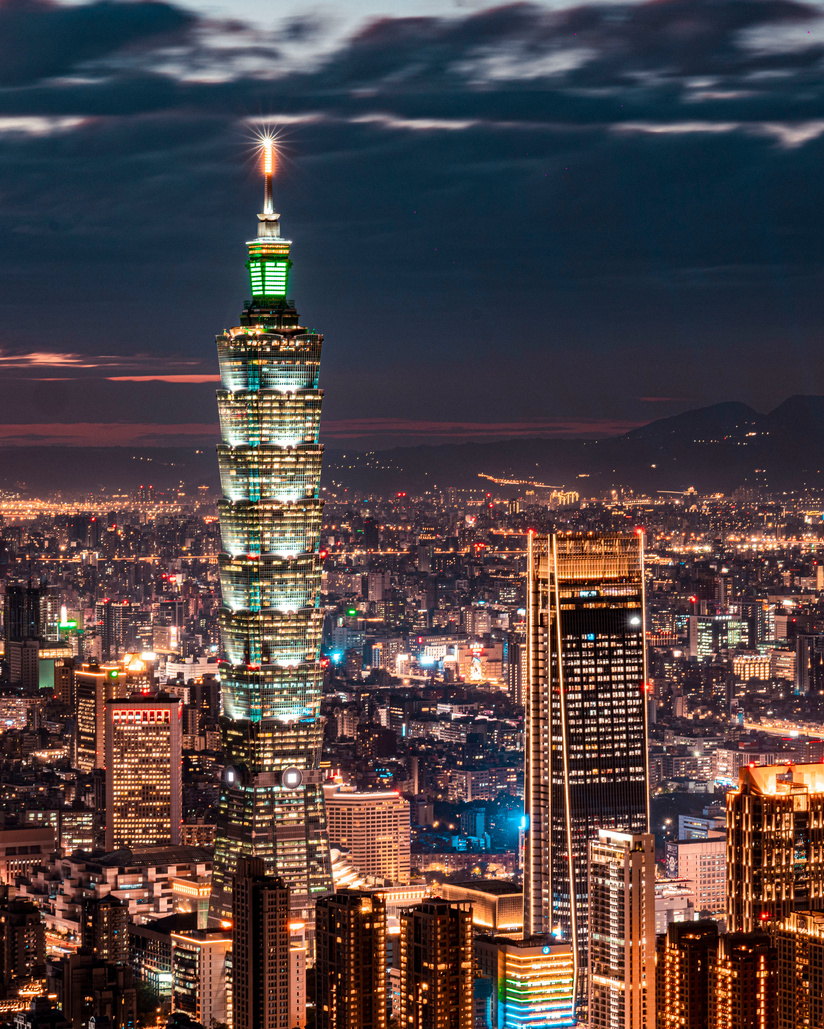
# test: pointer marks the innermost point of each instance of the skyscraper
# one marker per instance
(621, 930)
(586, 753)
(746, 982)
(350, 970)
(685, 968)
(436, 965)
(775, 844)
(144, 791)
(260, 948)
(271, 803)
(374, 828)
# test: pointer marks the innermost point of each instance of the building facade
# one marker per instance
(530, 979)
(436, 977)
(621, 930)
(350, 966)
(685, 966)
(144, 786)
(260, 948)
(799, 942)
(374, 828)
(586, 752)
(775, 844)
(271, 803)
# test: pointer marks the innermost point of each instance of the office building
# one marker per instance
(775, 832)
(260, 948)
(497, 904)
(199, 975)
(746, 982)
(93, 685)
(105, 929)
(621, 930)
(685, 967)
(436, 977)
(271, 803)
(531, 981)
(374, 828)
(31, 613)
(22, 943)
(586, 752)
(143, 771)
(350, 965)
(703, 863)
(799, 943)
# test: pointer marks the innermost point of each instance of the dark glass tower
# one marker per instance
(586, 739)
(271, 802)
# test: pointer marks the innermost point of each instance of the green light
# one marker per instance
(67, 625)
(351, 612)
(268, 278)
(113, 674)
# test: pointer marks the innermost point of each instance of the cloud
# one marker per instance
(40, 39)
(524, 216)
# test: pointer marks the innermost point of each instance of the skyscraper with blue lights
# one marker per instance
(271, 801)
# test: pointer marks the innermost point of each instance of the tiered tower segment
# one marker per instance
(271, 803)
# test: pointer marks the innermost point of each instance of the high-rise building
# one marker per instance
(22, 943)
(200, 987)
(350, 963)
(436, 966)
(746, 981)
(144, 791)
(260, 948)
(799, 941)
(775, 844)
(104, 929)
(685, 967)
(31, 612)
(586, 751)
(93, 686)
(271, 803)
(621, 930)
(703, 862)
(374, 828)
(531, 981)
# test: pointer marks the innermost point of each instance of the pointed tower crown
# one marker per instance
(268, 262)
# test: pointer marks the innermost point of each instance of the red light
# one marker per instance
(693, 600)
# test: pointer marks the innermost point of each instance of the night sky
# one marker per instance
(529, 219)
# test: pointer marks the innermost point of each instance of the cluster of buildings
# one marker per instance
(471, 760)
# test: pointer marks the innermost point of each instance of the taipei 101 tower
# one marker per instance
(271, 800)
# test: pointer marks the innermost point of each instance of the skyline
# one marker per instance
(631, 183)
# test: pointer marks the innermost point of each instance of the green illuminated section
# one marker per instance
(268, 278)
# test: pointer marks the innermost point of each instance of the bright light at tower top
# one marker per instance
(267, 146)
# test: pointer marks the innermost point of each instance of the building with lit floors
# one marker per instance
(685, 965)
(374, 828)
(267, 992)
(799, 942)
(436, 979)
(350, 964)
(200, 980)
(746, 981)
(271, 802)
(775, 844)
(586, 733)
(531, 982)
(144, 790)
(621, 930)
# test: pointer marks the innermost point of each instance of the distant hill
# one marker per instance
(714, 449)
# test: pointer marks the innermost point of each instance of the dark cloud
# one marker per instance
(40, 39)
(522, 215)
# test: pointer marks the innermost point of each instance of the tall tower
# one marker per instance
(271, 802)
(586, 747)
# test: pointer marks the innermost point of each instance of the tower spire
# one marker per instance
(269, 220)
